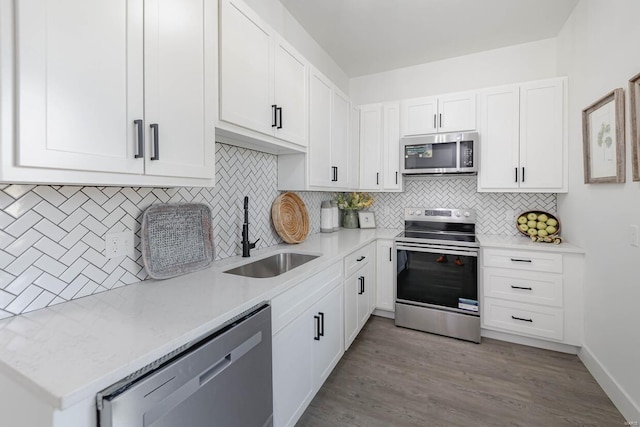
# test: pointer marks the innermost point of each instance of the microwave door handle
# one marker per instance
(435, 251)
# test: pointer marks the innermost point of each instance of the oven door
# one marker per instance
(437, 276)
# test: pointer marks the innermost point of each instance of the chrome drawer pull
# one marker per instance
(522, 319)
(521, 287)
(520, 260)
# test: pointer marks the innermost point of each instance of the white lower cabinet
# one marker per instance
(385, 275)
(359, 294)
(307, 342)
(536, 294)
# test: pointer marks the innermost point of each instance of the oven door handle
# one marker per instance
(435, 251)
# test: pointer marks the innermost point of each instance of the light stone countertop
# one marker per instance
(68, 352)
(525, 243)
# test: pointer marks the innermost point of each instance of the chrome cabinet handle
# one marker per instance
(156, 142)
(522, 319)
(140, 135)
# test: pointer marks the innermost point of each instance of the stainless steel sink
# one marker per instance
(272, 266)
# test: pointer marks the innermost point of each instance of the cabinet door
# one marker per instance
(385, 276)
(320, 172)
(79, 84)
(542, 151)
(293, 369)
(330, 347)
(457, 112)
(180, 73)
(351, 290)
(419, 116)
(245, 68)
(290, 93)
(354, 148)
(391, 147)
(365, 295)
(340, 138)
(370, 146)
(499, 138)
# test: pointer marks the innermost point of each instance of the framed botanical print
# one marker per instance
(634, 98)
(367, 219)
(603, 139)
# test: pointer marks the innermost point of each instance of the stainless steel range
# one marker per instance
(437, 280)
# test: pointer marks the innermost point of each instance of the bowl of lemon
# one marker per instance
(540, 226)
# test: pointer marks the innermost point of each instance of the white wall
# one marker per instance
(278, 17)
(513, 64)
(598, 50)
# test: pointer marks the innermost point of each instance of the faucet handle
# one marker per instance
(253, 245)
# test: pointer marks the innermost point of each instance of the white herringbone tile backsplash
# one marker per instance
(52, 237)
(491, 208)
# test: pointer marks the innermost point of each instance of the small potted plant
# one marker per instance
(350, 204)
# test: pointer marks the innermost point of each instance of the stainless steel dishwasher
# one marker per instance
(223, 380)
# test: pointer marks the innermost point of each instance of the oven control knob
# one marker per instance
(467, 214)
(418, 213)
(410, 212)
(457, 214)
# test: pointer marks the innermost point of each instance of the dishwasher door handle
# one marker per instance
(235, 354)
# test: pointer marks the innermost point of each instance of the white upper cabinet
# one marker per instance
(77, 103)
(263, 80)
(112, 92)
(180, 73)
(447, 113)
(321, 171)
(523, 138)
(370, 147)
(380, 147)
(340, 141)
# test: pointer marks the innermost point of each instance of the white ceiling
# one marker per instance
(371, 36)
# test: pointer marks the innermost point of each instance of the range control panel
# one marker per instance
(440, 214)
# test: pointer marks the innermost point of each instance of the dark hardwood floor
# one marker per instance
(398, 377)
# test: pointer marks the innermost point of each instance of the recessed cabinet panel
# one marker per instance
(179, 92)
(340, 159)
(385, 276)
(290, 82)
(457, 112)
(370, 146)
(320, 171)
(245, 68)
(392, 179)
(541, 135)
(419, 116)
(499, 134)
(79, 84)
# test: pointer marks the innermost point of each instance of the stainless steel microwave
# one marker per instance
(440, 154)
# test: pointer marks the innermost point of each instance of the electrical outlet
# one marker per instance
(633, 235)
(118, 244)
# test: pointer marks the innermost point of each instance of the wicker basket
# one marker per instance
(290, 218)
(538, 213)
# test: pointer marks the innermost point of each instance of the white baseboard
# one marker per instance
(384, 313)
(532, 342)
(629, 409)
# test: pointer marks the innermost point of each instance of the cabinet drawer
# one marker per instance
(544, 322)
(523, 286)
(356, 259)
(523, 260)
(289, 305)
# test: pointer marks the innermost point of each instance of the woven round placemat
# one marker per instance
(290, 217)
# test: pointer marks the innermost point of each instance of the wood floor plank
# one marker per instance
(399, 377)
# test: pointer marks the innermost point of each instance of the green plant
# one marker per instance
(354, 201)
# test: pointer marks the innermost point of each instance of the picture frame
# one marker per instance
(367, 219)
(634, 102)
(603, 138)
